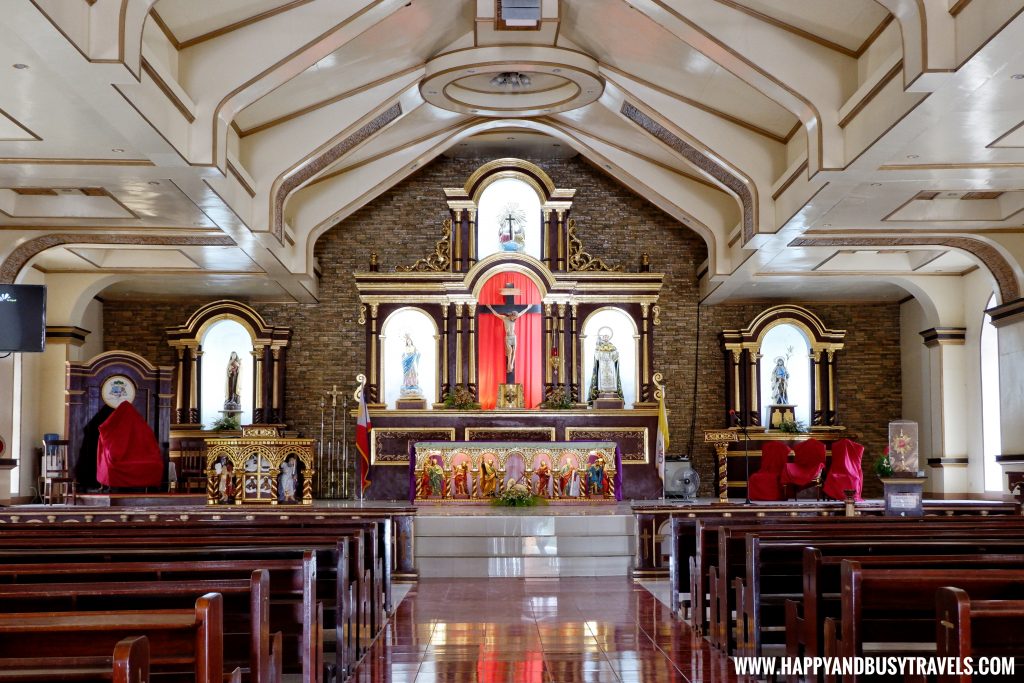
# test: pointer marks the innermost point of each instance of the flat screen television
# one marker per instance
(22, 318)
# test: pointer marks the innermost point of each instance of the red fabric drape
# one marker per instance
(845, 472)
(491, 342)
(128, 454)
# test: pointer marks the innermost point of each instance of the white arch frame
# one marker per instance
(584, 380)
(432, 397)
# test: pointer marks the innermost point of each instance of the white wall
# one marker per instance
(916, 380)
(92, 321)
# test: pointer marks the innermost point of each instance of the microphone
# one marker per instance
(732, 418)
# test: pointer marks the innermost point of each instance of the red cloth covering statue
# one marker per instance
(764, 483)
(128, 454)
(845, 474)
(807, 464)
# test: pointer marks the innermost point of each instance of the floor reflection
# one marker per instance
(578, 630)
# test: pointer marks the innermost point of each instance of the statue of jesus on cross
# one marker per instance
(509, 313)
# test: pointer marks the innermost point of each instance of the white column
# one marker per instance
(946, 357)
(1009, 320)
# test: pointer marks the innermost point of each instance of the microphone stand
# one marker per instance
(746, 455)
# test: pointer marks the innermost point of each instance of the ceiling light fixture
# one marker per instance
(876, 184)
(19, 65)
(1015, 77)
(154, 182)
(912, 156)
(116, 150)
(556, 71)
(511, 79)
(826, 225)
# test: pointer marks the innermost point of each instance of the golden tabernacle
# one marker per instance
(260, 467)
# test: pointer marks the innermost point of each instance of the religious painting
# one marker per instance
(432, 482)
(598, 483)
(542, 480)
(461, 479)
(515, 471)
(257, 478)
(116, 390)
(567, 475)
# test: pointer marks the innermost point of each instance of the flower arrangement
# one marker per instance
(460, 398)
(883, 466)
(226, 423)
(517, 496)
(557, 399)
(792, 427)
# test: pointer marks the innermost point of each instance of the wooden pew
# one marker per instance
(180, 641)
(976, 628)
(246, 605)
(370, 567)
(291, 585)
(725, 578)
(821, 579)
(129, 664)
(892, 607)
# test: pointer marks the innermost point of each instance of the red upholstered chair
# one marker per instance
(806, 467)
(764, 484)
(845, 474)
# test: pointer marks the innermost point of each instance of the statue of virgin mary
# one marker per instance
(410, 369)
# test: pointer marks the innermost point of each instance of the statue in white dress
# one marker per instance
(605, 382)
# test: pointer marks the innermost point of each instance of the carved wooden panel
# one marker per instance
(390, 446)
(510, 433)
(632, 440)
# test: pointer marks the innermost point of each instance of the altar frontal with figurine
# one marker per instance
(510, 331)
(566, 472)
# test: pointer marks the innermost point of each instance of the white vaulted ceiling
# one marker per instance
(823, 149)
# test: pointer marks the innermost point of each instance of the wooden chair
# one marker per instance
(193, 471)
(59, 484)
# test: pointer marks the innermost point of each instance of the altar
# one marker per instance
(510, 331)
(470, 472)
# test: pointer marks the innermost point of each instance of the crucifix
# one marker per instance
(509, 312)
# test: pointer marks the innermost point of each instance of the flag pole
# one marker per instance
(662, 441)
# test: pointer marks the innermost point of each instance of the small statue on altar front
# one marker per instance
(488, 478)
(544, 480)
(431, 482)
(289, 479)
(410, 369)
(597, 479)
(568, 482)
(461, 479)
(605, 380)
(224, 470)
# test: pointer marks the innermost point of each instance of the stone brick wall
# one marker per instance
(614, 224)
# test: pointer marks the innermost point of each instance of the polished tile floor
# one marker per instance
(571, 630)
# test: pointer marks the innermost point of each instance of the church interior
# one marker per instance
(511, 340)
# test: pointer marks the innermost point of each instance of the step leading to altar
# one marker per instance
(531, 544)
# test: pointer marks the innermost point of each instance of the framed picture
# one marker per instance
(116, 390)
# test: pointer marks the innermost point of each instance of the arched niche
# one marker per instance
(264, 381)
(476, 209)
(625, 337)
(509, 218)
(785, 352)
(227, 366)
(745, 356)
(422, 332)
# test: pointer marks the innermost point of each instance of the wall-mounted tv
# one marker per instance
(22, 318)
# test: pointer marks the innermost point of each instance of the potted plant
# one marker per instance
(792, 427)
(883, 466)
(460, 398)
(226, 423)
(558, 399)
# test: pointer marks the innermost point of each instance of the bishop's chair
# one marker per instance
(765, 484)
(845, 474)
(805, 470)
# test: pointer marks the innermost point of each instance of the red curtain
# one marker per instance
(491, 342)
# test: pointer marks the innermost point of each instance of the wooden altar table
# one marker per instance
(564, 471)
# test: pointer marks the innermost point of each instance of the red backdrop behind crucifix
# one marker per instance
(529, 363)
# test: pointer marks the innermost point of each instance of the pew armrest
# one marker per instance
(794, 629)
